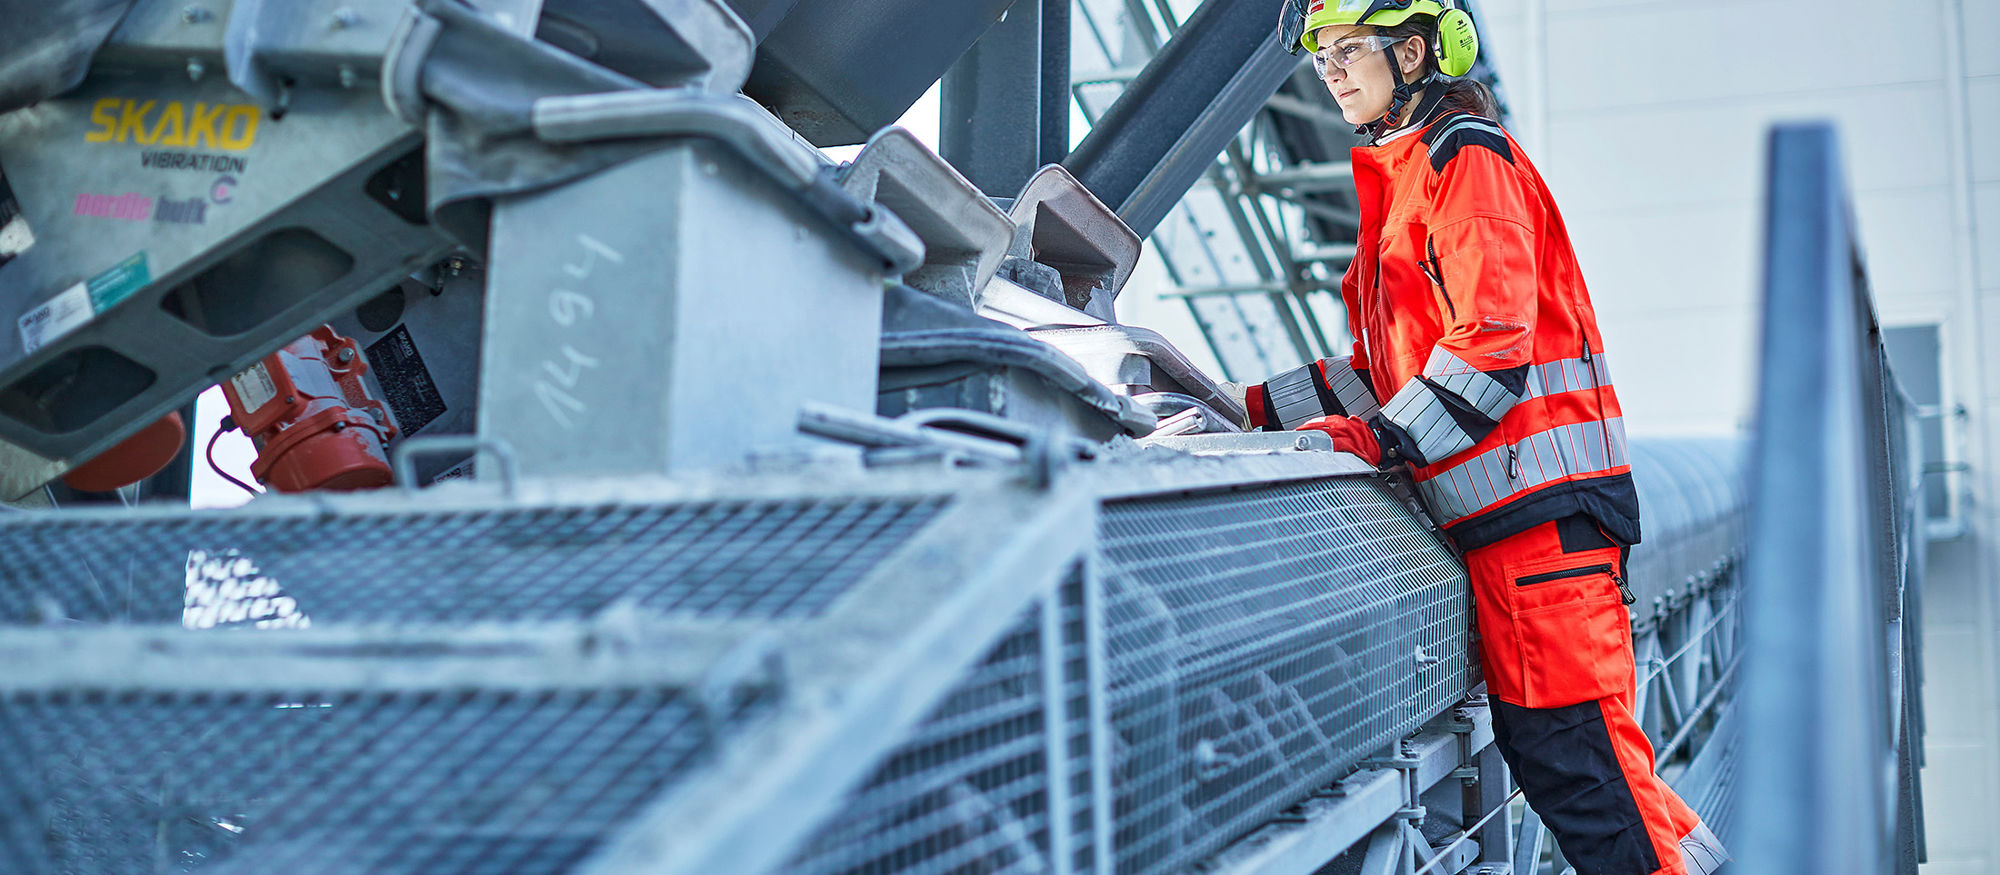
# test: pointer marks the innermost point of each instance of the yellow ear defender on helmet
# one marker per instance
(1457, 43)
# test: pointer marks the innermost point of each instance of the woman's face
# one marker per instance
(1363, 89)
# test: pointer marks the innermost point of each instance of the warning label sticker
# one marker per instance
(75, 306)
(460, 471)
(118, 283)
(254, 388)
(406, 383)
(57, 316)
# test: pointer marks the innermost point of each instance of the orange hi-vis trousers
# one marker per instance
(1556, 643)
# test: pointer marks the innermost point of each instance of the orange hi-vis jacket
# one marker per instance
(1470, 317)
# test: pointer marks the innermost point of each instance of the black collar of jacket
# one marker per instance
(1428, 109)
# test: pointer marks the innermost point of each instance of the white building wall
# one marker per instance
(1648, 118)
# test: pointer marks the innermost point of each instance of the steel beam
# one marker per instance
(840, 72)
(1315, 176)
(1055, 81)
(1245, 289)
(1198, 92)
(989, 120)
(1097, 673)
(1328, 252)
(1305, 109)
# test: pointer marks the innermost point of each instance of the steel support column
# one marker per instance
(1055, 82)
(991, 115)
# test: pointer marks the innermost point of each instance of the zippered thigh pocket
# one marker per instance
(1571, 629)
(1611, 569)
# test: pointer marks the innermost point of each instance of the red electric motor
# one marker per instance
(312, 419)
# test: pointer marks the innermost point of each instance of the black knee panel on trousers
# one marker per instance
(1564, 761)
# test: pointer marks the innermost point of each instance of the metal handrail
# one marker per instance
(1831, 574)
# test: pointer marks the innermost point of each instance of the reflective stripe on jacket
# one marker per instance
(1471, 318)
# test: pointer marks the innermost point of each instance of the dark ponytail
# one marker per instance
(1466, 95)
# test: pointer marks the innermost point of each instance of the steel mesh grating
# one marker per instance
(1260, 642)
(968, 792)
(470, 781)
(785, 558)
(1263, 641)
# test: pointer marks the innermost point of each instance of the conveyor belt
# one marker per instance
(1233, 633)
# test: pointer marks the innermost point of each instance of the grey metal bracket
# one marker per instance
(408, 450)
(746, 130)
(963, 233)
(264, 48)
(699, 45)
(1059, 223)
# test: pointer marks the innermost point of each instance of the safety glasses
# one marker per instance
(1344, 53)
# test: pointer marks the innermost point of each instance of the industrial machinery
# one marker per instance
(751, 512)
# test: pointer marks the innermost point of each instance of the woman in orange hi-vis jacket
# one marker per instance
(1470, 318)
